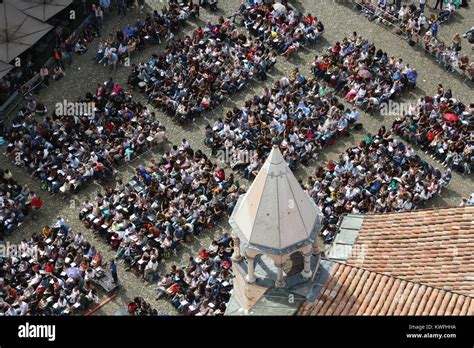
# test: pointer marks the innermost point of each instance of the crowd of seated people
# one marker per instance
(153, 30)
(411, 21)
(441, 125)
(401, 14)
(448, 55)
(364, 75)
(301, 113)
(203, 286)
(408, 18)
(380, 175)
(283, 30)
(85, 141)
(146, 219)
(16, 201)
(195, 73)
(140, 307)
(52, 273)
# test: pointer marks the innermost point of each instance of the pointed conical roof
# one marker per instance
(276, 215)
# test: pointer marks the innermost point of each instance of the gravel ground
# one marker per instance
(339, 19)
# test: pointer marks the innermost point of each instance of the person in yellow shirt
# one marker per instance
(47, 232)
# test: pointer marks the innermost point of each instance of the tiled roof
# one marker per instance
(430, 247)
(355, 291)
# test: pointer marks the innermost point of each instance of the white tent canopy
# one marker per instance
(18, 32)
(40, 9)
(276, 215)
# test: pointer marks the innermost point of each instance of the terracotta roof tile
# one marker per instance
(352, 290)
(433, 247)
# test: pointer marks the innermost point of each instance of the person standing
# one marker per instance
(105, 4)
(58, 57)
(422, 5)
(121, 7)
(113, 270)
(213, 5)
(35, 204)
(456, 42)
(68, 47)
(434, 28)
(99, 15)
(44, 73)
(440, 3)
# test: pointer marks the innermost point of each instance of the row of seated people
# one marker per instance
(203, 286)
(196, 73)
(410, 17)
(281, 28)
(155, 28)
(16, 202)
(380, 175)
(441, 125)
(364, 75)
(400, 14)
(411, 21)
(52, 273)
(166, 202)
(84, 140)
(302, 113)
(449, 55)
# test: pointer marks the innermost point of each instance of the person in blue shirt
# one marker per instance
(128, 31)
(354, 116)
(434, 28)
(105, 4)
(412, 75)
(113, 271)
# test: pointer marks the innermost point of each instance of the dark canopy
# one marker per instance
(18, 31)
(41, 9)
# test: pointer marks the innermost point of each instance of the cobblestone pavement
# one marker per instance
(339, 20)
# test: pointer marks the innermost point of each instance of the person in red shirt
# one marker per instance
(110, 127)
(203, 255)
(36, 203)
(430, 136)
(116, 89)
(309, 134)
(197, 35)
(98, 166)
(132, 307)
(219, 174)
(49, 268)
(331, 165)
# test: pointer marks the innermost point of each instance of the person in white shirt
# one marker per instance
(422, 5)
(150, 268)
